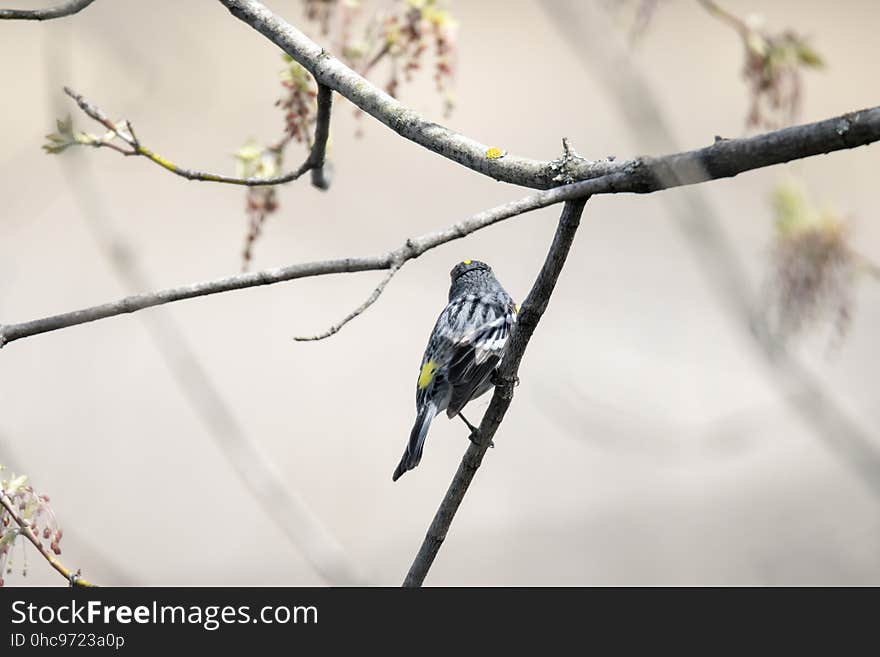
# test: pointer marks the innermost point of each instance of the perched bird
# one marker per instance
(465, 347)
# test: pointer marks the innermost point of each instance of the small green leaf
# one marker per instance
(63, 139)
(247, 158)
(16, 484)
(9, 536)
(809, 57)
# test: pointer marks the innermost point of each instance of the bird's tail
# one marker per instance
(413, 453)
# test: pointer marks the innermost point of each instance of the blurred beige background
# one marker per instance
(647, 443)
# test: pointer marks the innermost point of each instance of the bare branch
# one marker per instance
(27, 530)
(60, 11)
(723, 159)
(125, 132)
(329, 71)
(333, 330)
(490, 161)
(527, 320)
(411, 248)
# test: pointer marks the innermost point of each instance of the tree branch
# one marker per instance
(125, 132)
(412, 248)
(725, 158)
(59, 11)
(468, 152)
(527, 320)
(464, 150)
(333, 330)
(28, 531)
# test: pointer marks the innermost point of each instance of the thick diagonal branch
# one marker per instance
(59, 11)
(725, 158)
(530, 314)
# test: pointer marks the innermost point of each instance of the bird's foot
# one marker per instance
(495, 379)
(475, 432)
(475, 439)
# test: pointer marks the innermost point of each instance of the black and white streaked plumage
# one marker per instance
(466, 346)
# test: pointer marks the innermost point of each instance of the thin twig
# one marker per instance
(25, 528)
(357, 311)
(59, 11)
(722, 159)
(124, 130)
(527, 320)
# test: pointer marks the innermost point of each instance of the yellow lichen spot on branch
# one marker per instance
(494, 153)
(158, 159)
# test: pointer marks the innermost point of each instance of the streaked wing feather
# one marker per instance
(475, 356)
(462, 393)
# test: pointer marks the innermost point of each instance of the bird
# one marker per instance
(464, 350)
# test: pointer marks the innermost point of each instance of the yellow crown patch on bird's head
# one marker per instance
(467, 265)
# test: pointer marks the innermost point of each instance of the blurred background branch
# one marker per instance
(598, 46)
(274, 493)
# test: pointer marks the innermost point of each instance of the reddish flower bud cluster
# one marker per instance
(402, 37)
(261, 202)
(812, 281)
(814, 269)
(37, 515)
(773, 69)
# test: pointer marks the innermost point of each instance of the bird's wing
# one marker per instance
(476, 354)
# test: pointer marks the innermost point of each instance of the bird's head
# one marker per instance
(470, 275)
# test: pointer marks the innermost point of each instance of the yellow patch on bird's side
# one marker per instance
(516, 309)
(495, 153)
(466, 262)
(427, 374)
